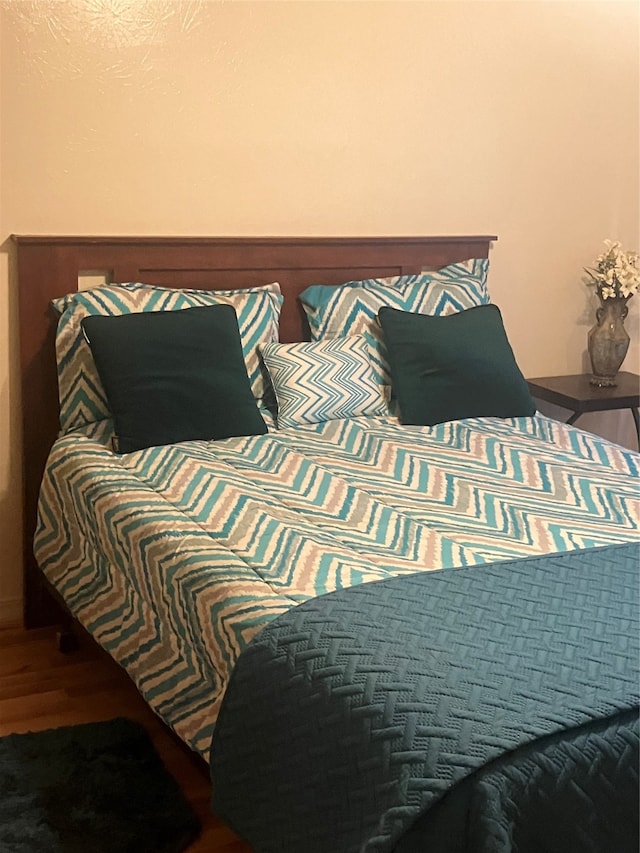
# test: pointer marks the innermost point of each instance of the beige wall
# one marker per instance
(513, 118)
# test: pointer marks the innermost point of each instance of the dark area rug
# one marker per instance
(92, 788)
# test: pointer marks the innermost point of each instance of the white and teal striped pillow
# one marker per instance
(352, 308)
(82, 397)
(323, 380)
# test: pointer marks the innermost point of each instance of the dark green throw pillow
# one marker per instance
(452, 367)
(173, 376)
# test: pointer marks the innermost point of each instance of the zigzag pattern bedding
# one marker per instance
(352, 308)
(82, 398)
(323, 380)
(175, 557)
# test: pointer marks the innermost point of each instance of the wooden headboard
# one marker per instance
(51, 266)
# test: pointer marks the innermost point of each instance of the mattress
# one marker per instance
(174, 558)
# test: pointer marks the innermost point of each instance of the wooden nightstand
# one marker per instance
(575, 393)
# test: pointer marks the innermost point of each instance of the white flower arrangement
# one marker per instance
(616, 273)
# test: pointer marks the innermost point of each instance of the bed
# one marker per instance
(424, 627)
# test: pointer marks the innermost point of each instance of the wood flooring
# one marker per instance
(42, 688)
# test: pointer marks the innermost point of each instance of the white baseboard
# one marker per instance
(10, 612)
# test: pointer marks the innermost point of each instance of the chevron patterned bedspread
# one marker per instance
(175, 557)
(350, 717)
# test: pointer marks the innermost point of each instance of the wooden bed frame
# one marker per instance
(51, 266)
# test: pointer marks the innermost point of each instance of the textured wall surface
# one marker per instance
(158, 117)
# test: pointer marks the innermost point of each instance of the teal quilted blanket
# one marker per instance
(489, 709)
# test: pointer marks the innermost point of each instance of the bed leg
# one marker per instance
(66, 639)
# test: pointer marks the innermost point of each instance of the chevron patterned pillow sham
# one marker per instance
(352, 308)
(323, 381)
(82, 397)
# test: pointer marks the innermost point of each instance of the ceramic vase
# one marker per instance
(608, 341)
